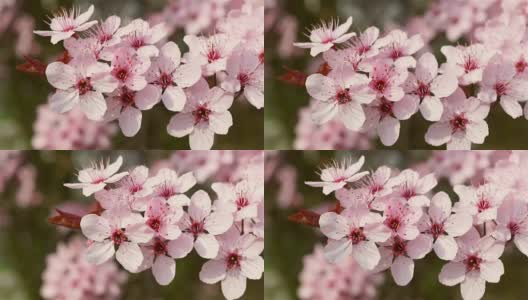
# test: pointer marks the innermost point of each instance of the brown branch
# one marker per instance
(298, 78)
(72, 221)
(35, 66)
(310, 218)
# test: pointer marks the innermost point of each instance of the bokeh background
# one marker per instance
(287, 22)
(26, 238)
(288, 244)
(22, 93)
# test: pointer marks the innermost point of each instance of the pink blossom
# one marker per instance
(203, 225)
(354, 232)
(142, 38)
(129, 69)
(241, 199)
(412, 188)
(82, 84)
(477, 261)
(95, 178)
(83, 49)
(238, 260)
(340, 96)
(367, 44)
(399, 48)
(163, 218)
(136, 183)
(346, 278)
(159, 254)
(462, 123)
(170, 77)
(512, 223)
(383, 116)
(116, 229)
(245, 73)
(441, 227)
(386, 81)
(105, 33)
(326, 35)
(170, 186)
(402, 219)
(209, 52)
(84, 280)
(430, 87)
(126, 105)
(379, 183)
(398, 255)
(481, 202)
(66, 23)
(467, 63)
(499, 80)
(204, 115)
(337, 175)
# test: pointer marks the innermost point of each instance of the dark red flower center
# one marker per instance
(159, 247)
(521, 65)
(154, 223)
(398, 247)
(118, 237)
(396, 53)
(357, 236)
(84, 86)
(483, 204)
(233, 260)
(459, 123)
(165, 80)
(385, 107)
(470, 65)
(127, 97)
(343, 96)
(437, 230)
(137, 43)
(197, 228)
(121, 74)
(472, 262)
(423, 90)
(213, 55)
(501, 88)
(243, 78)
(514, 228)
(201, 114)
(408, 193)
(393, 223)
(241, 202)
(380, 85)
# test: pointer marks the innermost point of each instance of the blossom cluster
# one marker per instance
(16, 171)
(69, 131)
(370, 82)
(389, 219)
(114, 72)
(84, 280)
(320, 279)
(149, 222)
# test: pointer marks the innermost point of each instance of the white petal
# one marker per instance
(129, 255)
(213, 271)
(402, 270)
(174, 98)
(445, 247)
(95, 227)
(366, 254)
(206, 246)
(164, 269)
(337, 251)
(452, 273)
(491, 271)
(98, 253)
(130, 121)
(333, 225)
(252, 268)
(234, 285)
(473, 287)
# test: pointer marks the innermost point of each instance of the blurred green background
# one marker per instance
(283, 101)
(28, 238)
(288, 242)
(21, 93)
